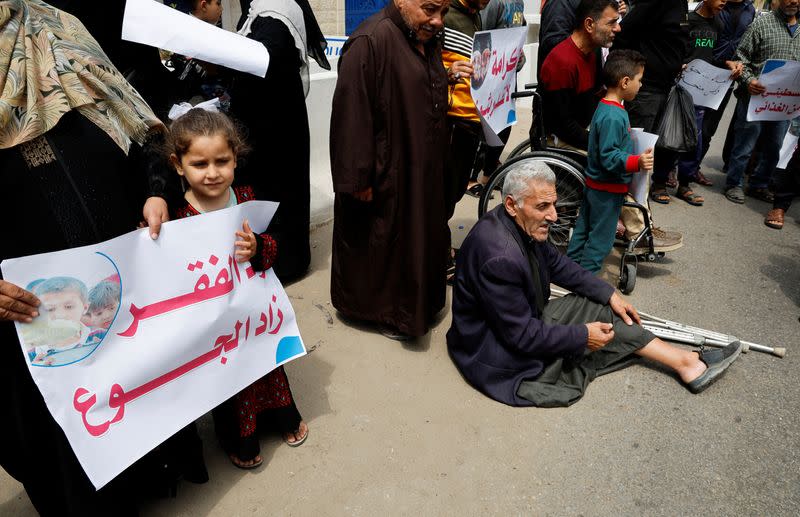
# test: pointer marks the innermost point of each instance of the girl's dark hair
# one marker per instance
(199, 122)
(620, 64)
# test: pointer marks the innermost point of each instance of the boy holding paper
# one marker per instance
(704, 29)
(610, 163)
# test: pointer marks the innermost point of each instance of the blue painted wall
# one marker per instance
(356, 11)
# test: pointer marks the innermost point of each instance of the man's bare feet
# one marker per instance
(692, 368)
(296, 438)
(249, 464)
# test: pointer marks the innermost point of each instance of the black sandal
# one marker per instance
(688, 195)
(475, 190)
(659, 194)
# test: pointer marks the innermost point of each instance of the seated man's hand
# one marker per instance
(624, 310)
(600, 334)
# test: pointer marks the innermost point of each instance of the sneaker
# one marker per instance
(660, 233)
(717, 361)
(735, 194)
(665, 240)
(760, 193)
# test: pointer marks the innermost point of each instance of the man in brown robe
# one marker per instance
(388, 141)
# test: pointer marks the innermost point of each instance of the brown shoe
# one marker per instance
(774, 218)
(660, 233)
(700, 179)
(666, 241)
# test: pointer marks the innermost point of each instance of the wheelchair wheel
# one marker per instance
(627, 278)
(524, 147)
(569, 188)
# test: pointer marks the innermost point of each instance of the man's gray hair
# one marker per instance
(517, 182)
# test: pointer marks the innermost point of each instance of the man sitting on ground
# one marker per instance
(517, 347)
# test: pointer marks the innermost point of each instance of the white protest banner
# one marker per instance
(781, 101)
(137, 337)
(706, 83)
(495, 55)
(640, 184)
(151, 23)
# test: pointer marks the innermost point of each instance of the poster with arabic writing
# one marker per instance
(707, 84)
(781, 100)
(495, 55)
(137, 338)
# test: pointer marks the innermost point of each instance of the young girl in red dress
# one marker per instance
(203, 146)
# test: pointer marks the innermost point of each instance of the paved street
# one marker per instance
(394, 429)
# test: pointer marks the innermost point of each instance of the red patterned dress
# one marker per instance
(267, 401)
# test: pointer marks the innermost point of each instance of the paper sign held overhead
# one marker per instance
(151, 23)
(495, 56)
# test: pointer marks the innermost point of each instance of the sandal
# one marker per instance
(244, 464)
(701, 179)
(774, 218)
(760, 193)
(475, 190)
(301, 440)
(686, 194)
(659, 194)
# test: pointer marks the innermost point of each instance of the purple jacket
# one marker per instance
(496, 339)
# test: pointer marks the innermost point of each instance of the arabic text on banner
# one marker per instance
(185, 327)
(781, 101)
(706, 83)
(495, 55)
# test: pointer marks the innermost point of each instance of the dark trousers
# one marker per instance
(746, 135)
(564, 380)
(711, 120)
(787, 182)
(491, 155)
(645, 111)
(462, 158)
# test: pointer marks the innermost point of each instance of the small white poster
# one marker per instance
(781, 101)
(640, 184)
(706, 83)
(136, 338)
(495, 55)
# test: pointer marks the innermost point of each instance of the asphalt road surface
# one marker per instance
(394, 429)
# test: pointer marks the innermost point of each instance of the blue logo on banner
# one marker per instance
(288, 347)
(512, 117)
